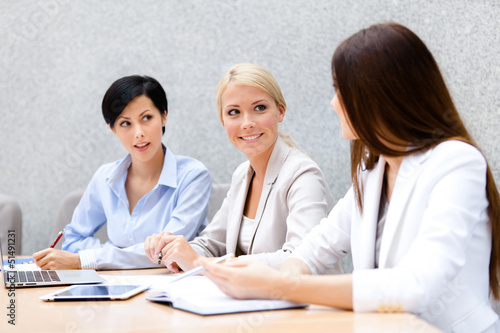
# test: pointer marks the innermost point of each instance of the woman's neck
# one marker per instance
(391, 174)
(259, 163)
(148, 170)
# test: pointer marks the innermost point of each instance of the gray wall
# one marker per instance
(57, 58)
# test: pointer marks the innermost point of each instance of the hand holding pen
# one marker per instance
(51, 258)
(173, 251)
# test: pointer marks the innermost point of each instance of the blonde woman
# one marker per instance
(275, 198)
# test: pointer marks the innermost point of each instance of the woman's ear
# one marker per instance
(164, 118)
(281, 111)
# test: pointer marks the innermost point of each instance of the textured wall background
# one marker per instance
(58, 57)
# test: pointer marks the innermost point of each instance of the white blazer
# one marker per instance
(294, 198)
(436, 242)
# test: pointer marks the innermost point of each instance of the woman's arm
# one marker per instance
(252, 279)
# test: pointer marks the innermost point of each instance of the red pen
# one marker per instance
(58, 238)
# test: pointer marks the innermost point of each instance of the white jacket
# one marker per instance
(436, 243)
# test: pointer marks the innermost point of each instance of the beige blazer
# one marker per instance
(435, 246)
(295, 197)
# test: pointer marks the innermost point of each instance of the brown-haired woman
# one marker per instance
(423, 211)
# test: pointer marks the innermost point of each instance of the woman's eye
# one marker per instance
(233, 112)
(260, 108)
(148, 117)
(124, 124)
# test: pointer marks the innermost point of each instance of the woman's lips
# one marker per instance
(251, 138)
(143, 146)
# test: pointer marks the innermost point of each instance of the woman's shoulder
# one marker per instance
(298, 160)
(456, 151)
(107, 169)
(190, 163)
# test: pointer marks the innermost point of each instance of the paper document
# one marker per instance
(199, 295)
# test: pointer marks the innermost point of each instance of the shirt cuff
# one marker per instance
(87, 259)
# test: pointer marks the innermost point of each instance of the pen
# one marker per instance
(200, 269)
(160, 256)
(59, 235)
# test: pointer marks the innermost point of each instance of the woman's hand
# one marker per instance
(175, 249)
(50, 259)
(151, 245)
(245, 279)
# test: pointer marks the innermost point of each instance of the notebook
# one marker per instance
(38, 277)
(197, 294)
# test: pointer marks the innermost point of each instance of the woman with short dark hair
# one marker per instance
(150, 190)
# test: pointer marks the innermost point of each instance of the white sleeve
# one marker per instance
(330, 241)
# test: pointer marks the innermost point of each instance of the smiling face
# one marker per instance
(251, 117)
(139, 128)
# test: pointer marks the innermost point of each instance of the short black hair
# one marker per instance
(124, 90)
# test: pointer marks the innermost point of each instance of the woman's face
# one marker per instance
(345, 125)
(251, 117)
(139, 128)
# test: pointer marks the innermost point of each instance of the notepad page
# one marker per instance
(200, 295)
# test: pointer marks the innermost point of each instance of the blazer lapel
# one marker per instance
(369, 219)
(405, 183)
(274, 165)
(236, 213)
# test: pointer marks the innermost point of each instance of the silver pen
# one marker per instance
(200, 269)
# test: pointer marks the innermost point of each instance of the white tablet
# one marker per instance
(95, 292)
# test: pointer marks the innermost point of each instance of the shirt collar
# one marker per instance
(168, 176)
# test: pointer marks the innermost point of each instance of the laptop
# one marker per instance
(36, 278)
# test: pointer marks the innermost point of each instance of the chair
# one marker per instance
(11, 223)
(219, 192)
(71, 200)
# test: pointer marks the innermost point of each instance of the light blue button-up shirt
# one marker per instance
(178, 204)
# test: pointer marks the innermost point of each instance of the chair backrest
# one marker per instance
(71, 200)
(11, 223)
(219, 192)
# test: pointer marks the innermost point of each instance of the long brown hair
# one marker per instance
(392, 91)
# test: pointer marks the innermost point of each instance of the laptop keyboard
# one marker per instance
(33, 276)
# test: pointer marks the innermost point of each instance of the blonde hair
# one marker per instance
(251, 75)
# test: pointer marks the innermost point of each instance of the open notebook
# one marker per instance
(199, 295)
